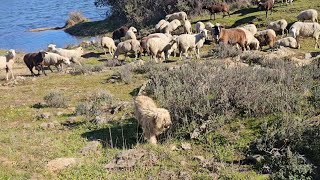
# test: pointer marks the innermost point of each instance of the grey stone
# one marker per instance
(186, 146)
(61, 163)
(91, 147)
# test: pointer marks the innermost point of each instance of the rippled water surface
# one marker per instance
(18, 16)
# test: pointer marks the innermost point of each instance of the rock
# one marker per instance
(100, 120)
(47, 125)
(184, 175)
(45, 115)
(168, 175)
(61, 163)
(186, 146)
(199, 158)
(59, 113)
(27, 126)
(132, 157)
(173, 147)
(212, 165)
(183, 163)
(91, 147)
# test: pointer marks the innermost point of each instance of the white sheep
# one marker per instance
(191, 42)
(305, 29)
(161, 25)
(173, 25)
(251, 27)
(158, 47)
(200, 26)
(254, 44)
(187, 27)
(130, 34)
(178, 15)
(131, 45)
(279, 25)
(209, 26)
(7, 61)
(153, 120)
(56, 60)
(107, 42)
(251, 40)
(287, 42)
(73, 54)
(309, 14)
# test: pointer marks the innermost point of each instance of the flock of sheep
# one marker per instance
(163, 43)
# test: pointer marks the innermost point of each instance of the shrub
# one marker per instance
(75, 17)
(225, 51)
(125, 75)
(95, 104)
(200, 91)
(289, 147)
(56, 100)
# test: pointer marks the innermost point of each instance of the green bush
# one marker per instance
(56, 100)
(95, 104)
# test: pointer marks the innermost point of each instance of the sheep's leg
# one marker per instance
(105, 52)
(197, 53)
(317, 43)
(50, 69)
(228, 14)
(7, 74)
(214, 16)
(223, 14)
(43, 71)
(11, 71)
(266, 13)
(153, 139)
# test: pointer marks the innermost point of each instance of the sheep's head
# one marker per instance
(204, 33)
(11, 53)
(162, 120)
(167, 17)
(293, 32)
(41, 54)
(66, 61)
(216, 30)
(51, 47)
(133, 29)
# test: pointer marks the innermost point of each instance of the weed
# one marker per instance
(56, 100)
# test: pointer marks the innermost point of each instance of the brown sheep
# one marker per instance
(153, 120)
(216, 8)
(230, 36)
(268, 5)
(34, 60)
(119, 33)
(266, 38)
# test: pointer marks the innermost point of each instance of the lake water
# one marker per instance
(18, 16)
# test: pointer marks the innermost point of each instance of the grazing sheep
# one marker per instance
(287, 42)
(216, 8)
(161, 25)
(268, 5)
(251, 27)
(251, 40)
(34, 60)
(144, 40)
(279, 25)
(287, 1)
(230, 36)
(73, 54)
(108, 43)
(266, 37)
(309, 14)
(7, 61)
(173, 25)
(153, 120)
(255, 44)
(158, 47)
(54, 59)
(200, 26)
(192, 42)
(119, 33)
(187, 27)
(130, 34)
(305, 29)
(178, 15)
(131, 45)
